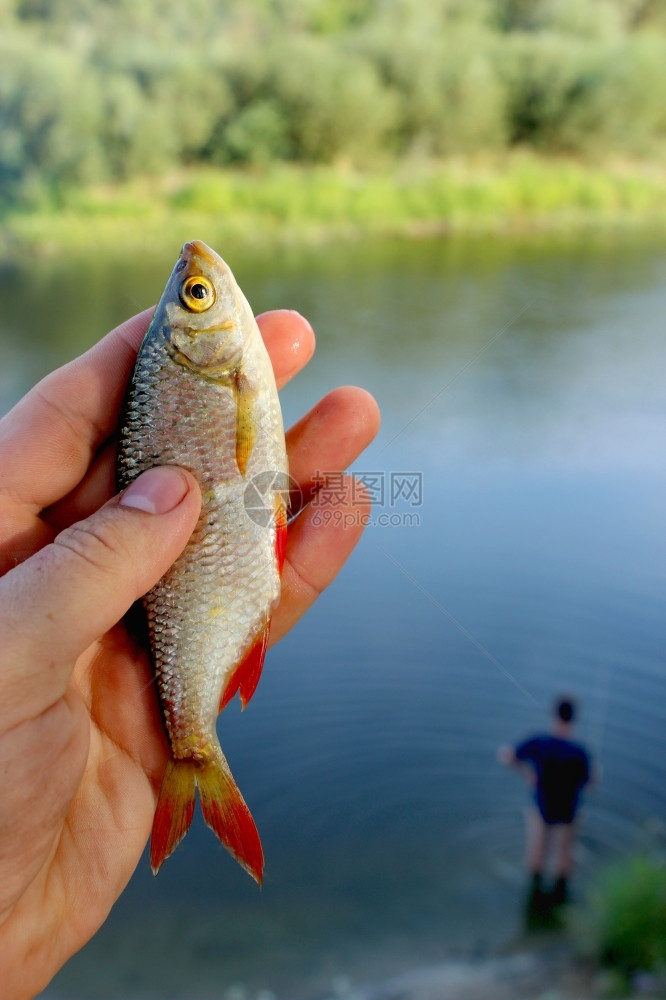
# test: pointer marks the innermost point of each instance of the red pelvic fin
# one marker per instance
(245, 676)
(228, 816)
(175, 808)
(280, 532)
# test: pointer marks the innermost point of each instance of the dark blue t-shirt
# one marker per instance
(562, 769)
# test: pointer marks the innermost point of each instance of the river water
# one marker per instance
(518, 550)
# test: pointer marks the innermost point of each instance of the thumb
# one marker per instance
(54, 605)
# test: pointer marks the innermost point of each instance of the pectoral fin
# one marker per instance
(280, 531)
(246, 428)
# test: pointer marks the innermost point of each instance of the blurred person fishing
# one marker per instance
(557, 768)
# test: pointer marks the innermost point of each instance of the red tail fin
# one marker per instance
(223, 807)
(175, 808)
(225, 812)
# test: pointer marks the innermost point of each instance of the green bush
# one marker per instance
(619, 104)
(448, 95)
(258, 134)
(50, 111)
(332, 100)
(623, 920)
(99, 92)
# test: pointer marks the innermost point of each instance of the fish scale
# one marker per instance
(203, 397)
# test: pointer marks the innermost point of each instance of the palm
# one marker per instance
(65, 863)
(125, 754)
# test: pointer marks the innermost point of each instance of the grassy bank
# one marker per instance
(621, 924)
(514, 194)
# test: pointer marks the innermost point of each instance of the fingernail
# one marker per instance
(156, 491)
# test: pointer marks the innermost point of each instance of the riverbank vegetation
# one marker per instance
(622, 923)
(338, 113)
(288, 203)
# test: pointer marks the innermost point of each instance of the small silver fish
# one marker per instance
(203, 396)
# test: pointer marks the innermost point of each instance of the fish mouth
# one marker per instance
(197, 248)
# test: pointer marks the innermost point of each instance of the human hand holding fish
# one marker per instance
(82, 744)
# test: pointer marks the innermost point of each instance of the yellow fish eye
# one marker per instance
(197, 293)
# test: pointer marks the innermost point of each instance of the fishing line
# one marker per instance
(602, 691)
(454, 621)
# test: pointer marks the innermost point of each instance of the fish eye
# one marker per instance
(197, 293)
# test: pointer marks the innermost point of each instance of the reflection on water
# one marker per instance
(525, 387)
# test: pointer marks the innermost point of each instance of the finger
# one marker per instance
(94, 490)
(49, 439)
(88, 578)
(289, 340)
(319, 542)
(331, 436)
(314, 444)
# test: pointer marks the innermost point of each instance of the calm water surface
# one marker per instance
(518, 550)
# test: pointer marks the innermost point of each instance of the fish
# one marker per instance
(203, 396)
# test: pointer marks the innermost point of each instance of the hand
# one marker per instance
(505, 755)
(82, 749)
